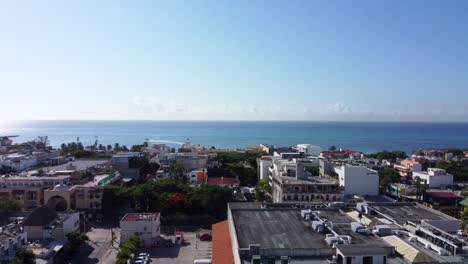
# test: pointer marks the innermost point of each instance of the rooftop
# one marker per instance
(447, 195)
(403, 212)
(222, 245)
(222, 181)
(314, 180)
(130, 217)
(127, 155)
(78, 165)
(275, 229)
(355, 249)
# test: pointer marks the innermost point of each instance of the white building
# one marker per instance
(292, 181)
(18, 162)
(146, 227)
(263, 165)
(434, 178)
(358, 180)
(309, 150)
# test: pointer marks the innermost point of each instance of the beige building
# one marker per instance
(29, 191)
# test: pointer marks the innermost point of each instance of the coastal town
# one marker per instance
(160, 203)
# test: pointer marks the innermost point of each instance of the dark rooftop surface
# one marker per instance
(275, 229)
(282, 227)
(412, 213)
(359, 249)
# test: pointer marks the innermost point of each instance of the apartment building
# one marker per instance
(29, 190)
(358, 180)
(292, 181)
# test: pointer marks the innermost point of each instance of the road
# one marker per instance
(100, 248)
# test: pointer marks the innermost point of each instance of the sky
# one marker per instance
(234, 60)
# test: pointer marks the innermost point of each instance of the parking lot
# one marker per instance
(192, 248)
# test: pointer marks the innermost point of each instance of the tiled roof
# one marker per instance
(223, 181)
(222, 246)
(443, 195)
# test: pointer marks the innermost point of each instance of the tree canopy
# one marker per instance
(168, 196)
(388, 155)
(24, 256)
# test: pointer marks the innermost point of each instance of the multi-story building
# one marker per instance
(145, 227)
(358, 180)
(407, 167)
(434, 178)
(12, 238)
(129, 164)
(309, 150)
(190, 161)
(29, 190)
(291, 181)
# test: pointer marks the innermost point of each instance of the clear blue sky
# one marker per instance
(249, 60)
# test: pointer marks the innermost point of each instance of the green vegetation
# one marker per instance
(168, 196)
(9, 205)
(388, 155)
(314, 170)
(263, 191)
(387, 177)
(75, 241)
(177, 172)
(24, 256)
(139, 148)
(241, 165)
(456, 168)
(127, 250)
(464, 218)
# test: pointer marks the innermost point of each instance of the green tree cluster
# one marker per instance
(126, 250)
(388, 155)
(263, 191)
(241, 165)
(24, 256)
(9, 205)
(139, 147)
(456, 168)
(168, 196)
(387, 177)
(75, 241)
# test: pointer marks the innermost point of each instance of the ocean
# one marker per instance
(363, 136)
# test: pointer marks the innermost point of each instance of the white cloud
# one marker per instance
(341, 108)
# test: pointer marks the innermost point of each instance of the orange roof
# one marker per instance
(221, 242)
(202, 176)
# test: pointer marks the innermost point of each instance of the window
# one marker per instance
(368, 260)
(349, 260)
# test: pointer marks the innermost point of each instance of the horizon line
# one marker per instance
(239, 120)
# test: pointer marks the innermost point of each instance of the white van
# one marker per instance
(202, 261)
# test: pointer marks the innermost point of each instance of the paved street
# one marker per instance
(99, 249)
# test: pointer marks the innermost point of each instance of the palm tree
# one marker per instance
(420, 188)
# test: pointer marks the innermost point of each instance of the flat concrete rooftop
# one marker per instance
(275, 229)
(282, 227)
(412, 213)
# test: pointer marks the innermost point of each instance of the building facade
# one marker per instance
(434, 178)
(358, 180)
(146, 227)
